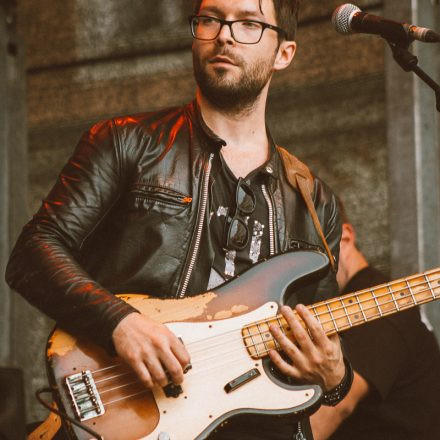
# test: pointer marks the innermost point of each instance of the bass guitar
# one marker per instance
(226, 332)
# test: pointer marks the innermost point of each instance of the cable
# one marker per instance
(63, 415)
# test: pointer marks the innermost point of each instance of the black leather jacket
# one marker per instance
(125, 216)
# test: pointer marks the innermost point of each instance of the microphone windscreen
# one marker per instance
(342, 17)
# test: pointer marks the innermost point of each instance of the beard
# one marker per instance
(232, 94)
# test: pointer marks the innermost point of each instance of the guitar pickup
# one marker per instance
(241, 380)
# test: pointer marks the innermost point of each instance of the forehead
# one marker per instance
(240, 8)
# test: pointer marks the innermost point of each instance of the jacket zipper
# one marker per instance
(199, 230)
(167, 198)
(271, 220)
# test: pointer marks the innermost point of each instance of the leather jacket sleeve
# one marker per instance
(44, 266)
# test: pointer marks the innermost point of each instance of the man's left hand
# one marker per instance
(316, 358)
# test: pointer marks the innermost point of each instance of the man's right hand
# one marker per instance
(151, 349)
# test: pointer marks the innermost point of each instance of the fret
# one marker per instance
(254, 345)
(335, 324)
(346, 313)
(429, 286)
(417, 292)
(434, 281)
(280, 324)
(360, 308)
(377, 302)
(393, 298)
(410, 291)
(248, 336)
(262, 336)
(315, 314)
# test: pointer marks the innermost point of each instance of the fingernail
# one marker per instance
(187, 368)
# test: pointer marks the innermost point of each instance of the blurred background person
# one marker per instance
(396, 362)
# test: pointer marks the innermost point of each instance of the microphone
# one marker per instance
(348, 19)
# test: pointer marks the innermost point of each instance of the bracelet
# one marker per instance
(337, 394)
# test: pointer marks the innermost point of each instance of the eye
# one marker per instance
(206, 21)
(250, 25)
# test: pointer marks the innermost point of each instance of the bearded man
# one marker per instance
(178, 201)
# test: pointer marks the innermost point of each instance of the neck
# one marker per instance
(344, 312)
(354, 263)
(244, 127)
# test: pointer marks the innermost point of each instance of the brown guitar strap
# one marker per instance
(48, 429)
(301, 179)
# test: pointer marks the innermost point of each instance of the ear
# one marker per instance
(348, 234)
(285, 55)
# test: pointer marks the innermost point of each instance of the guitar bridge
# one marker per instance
(85, 398)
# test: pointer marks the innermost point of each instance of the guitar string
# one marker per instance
(169, 315)
(199, 371)
(318, 314)
(391, 283)
(266, 321)
(263, 352)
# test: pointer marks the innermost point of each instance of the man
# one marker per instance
(396, 361)
(177, 201)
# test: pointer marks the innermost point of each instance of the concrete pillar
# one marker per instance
(13, 178)
(5, 310)
(414, 152)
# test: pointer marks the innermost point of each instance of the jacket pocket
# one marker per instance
(147, 196)
(298, 245)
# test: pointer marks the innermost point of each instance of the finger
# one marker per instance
(172, 366)
(283, 366)
(300, 334)
(156, 370)
(144, 375)
(335, 339)
(181, 353)
(314, 327)
(286, 345)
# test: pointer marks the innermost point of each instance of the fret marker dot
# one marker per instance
(350, 301)
(402, 294)
(356, 316)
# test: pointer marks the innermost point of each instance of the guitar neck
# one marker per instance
(344, 312)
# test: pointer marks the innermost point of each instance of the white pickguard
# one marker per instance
(215, 363)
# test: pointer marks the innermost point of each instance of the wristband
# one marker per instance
(337, 394)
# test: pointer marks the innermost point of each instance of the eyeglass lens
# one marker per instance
(243, 31)
(238, 236)
(245, 198)
(238, 231)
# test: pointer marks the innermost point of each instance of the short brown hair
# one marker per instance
(286, 14)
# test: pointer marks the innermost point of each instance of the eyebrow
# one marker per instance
(240, 14)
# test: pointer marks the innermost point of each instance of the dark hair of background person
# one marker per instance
(342, 211)
(286, 14)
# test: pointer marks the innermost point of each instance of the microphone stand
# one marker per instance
(409, 63)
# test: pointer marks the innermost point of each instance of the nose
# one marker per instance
(225, 34)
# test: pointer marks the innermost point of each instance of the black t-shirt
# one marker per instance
(229, 263)
(400, 359)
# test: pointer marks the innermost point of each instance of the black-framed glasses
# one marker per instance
(204, 27)
(237, 233)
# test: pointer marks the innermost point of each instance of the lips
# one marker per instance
(221, 59)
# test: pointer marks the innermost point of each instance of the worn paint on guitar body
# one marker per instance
(204, 405)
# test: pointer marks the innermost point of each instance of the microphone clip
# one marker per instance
(409, 63)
